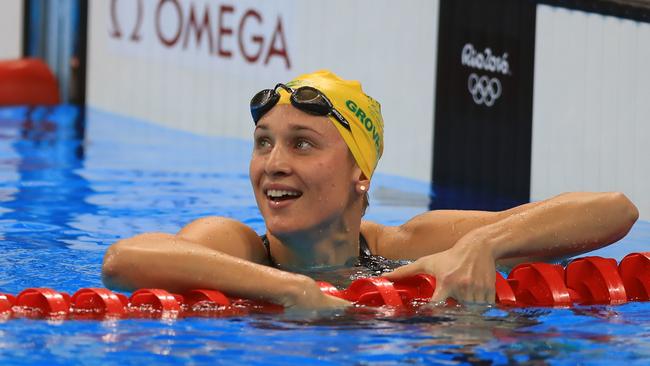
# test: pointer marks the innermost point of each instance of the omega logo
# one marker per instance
(208, 24)
(117, 30)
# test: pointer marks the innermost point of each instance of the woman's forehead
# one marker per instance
(286, 117)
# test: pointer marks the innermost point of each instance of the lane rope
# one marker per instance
(585, 281)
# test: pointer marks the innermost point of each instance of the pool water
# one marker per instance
(64, 199)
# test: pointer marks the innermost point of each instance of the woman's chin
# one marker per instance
(283, 227)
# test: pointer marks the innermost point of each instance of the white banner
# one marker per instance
(205, 32)
(195, 64)
(11, 29)
(590, 120)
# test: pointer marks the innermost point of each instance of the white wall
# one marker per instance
(389, 46)
(11, 29)
(591, 118)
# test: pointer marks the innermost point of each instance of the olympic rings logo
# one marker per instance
(483, 89)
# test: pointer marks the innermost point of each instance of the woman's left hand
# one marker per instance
(465, 272)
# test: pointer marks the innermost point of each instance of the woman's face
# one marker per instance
(302, 172)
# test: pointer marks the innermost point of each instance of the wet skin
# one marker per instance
(305, 155)
(308, 189)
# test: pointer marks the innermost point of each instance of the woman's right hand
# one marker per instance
(308, 295)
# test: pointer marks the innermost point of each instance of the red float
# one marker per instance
(98, 302)
(587, 280)
(635, 274)
(503, 292)
(417, 288)
(595, 281)
(42, 302)
(27, 82)
(329, 289)
(539, 284)
(374, 291)
(6, 303)
(154, 303)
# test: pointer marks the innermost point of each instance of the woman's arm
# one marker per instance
(592, 220)
(214, 253)
(465, 258)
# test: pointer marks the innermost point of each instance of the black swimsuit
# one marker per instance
(366, 259)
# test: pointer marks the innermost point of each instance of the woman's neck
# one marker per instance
(330, 244)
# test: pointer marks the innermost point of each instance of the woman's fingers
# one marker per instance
(491, 297)
(336, 302)
(481, 295)
(439, 295)
(404, 271)
(464, 294)
(462, 285)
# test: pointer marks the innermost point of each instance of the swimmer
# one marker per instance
(317, 142)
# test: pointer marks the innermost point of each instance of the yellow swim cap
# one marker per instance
(366, 138)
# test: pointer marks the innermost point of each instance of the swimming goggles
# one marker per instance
(306, 98)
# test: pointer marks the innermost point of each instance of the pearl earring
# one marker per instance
(362, 188)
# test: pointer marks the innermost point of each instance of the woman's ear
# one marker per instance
(362, 184)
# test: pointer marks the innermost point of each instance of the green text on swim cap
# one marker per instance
(365, 121)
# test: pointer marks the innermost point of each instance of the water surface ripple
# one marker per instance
(64, 199)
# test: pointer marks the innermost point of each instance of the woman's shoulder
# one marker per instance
(380, 238)
(226, 235)
(212, 224)
(392, 242)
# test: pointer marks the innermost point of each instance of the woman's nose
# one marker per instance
(278, 162)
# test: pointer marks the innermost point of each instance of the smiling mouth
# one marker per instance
(277, 195)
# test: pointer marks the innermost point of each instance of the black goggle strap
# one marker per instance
(339, 117)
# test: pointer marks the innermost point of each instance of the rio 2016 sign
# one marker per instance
(222, 30)
(484, 104)
(484, 89)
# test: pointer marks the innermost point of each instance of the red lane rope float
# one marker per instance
(635, 273)
(587, 280)
(503, 292)
(6, 304)
(417, 288)
(539, 284)
(42, 302)
(374, 291)
(595, 280)
(99, 302)
(154, 303)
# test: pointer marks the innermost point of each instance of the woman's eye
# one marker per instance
(303, 145)
(262, 142)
